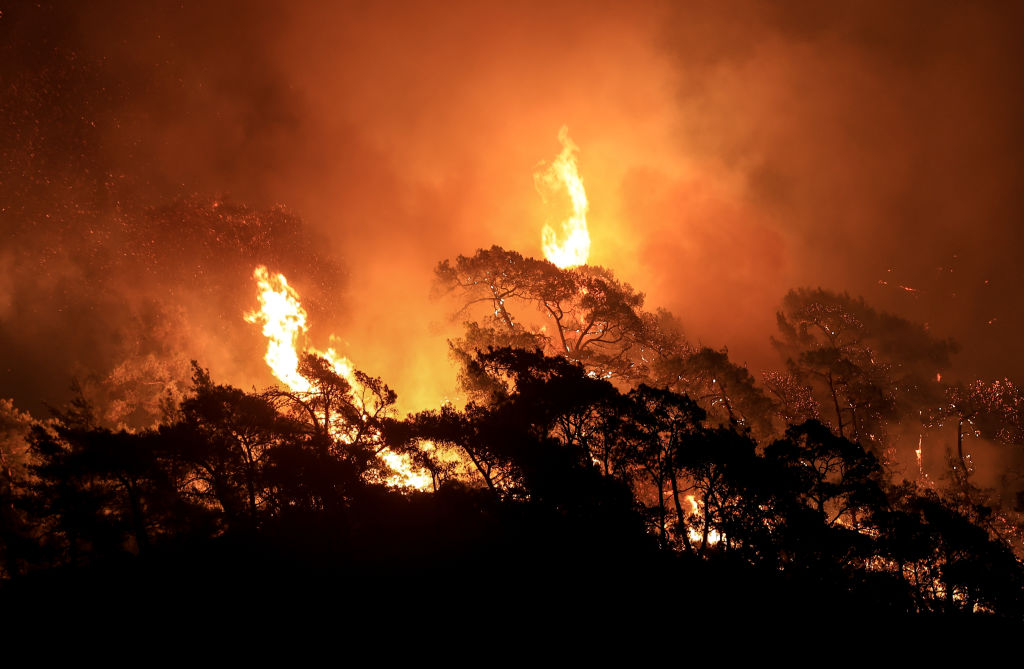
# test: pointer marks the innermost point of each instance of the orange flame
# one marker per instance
(284, 321)
(284, 325)
(563, 174)
(697, 515)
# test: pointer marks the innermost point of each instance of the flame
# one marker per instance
(562, 174)
(697, 515)
(285, 325)
(284, 322)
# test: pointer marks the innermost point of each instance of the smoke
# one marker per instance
(730, 151)
(880, 143)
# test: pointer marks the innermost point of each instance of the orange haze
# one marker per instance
(730, 151)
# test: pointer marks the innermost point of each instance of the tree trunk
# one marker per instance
(138, 521)
(661, 510)
(960, 447)
(683, 529)
(835, 401)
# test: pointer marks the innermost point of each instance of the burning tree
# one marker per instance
(992, 410)
(794, 401)
(989, 411)
(584, 314)
(726, 389)
(865, 367)
(346, 407)
(562, 174)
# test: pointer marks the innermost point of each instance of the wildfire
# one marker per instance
(284, 325)
(561, 174)
(697, 517)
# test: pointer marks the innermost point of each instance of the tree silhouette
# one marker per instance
(659, 422)
(725, 390)
(834, 476)
(223, 438)
(583, 313)
(866, 367)
(550, 471)
(98, 492)
(16, 544)
(952, 564)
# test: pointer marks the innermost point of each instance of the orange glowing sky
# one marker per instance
(730, 151)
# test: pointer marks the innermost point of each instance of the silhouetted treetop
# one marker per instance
(866, 367)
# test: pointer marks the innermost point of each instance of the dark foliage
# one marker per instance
(602, 464)
(576, 490)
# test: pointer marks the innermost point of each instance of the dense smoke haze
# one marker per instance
(152, 154)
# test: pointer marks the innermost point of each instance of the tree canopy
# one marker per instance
(595, 441)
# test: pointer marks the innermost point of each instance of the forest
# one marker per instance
(688, 319)
(599, 452)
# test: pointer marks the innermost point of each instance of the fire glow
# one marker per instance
(694, 532)
(284, 325)
(562, 174)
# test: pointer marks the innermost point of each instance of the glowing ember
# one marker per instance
(284, 325)
(561, 174)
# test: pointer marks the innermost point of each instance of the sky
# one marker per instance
(152, 154)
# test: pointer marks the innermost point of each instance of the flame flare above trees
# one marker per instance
(562, 173)
(284, 325)
(284, 322)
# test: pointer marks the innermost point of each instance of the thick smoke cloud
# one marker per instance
(730, 151)
(881, 143)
